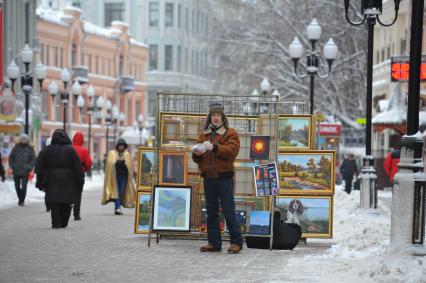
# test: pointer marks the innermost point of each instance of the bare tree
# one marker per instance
(251, 40)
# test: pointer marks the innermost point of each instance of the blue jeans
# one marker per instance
(121, 183)
(216, 190)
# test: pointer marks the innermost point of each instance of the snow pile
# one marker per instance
(396, 111)
(359, 249)
(9, 198)
(50, 15)
(8, 195)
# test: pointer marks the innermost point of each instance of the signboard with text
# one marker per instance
(400, 68)
(328, 129)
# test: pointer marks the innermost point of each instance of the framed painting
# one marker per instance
(295, 132)
(143, 209)
(266, 179)
(306, 172)
(260, 222)
(146, 163)
(171, 208)
(170, 130)
(314, 214)
(194, 125)
(173, 168)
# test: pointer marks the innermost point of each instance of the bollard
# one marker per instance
(368, 196)
(407, 217)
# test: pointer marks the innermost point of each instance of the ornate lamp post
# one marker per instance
(13, 73)
(65, 77)
(370, 11)
(140, 119)
(108, 106)
(313, 57)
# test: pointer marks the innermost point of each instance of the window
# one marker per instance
(47, 55)
(153, 57)
(388, 52)
(187, 19)
(153, 14)
(377, 56)
(76, 3)
(42, 55)
(179, 16)
(198, 22)
(403, 46)
(113, 12)
(192, 61)
(168, 59)
(61, 57)
(206, 25)
(90, 63)
(56, 56)
(185, 60)
(193, 21)
(152, 100)
(74, 54)
(197, 63)
(169, 15)
(179, 59)
(96, 64)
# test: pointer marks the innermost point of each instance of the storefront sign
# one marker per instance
(330, 129)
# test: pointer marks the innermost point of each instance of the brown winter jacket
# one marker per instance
(219, 162)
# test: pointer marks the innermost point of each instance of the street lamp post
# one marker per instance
(108, 106)
(65, 77)
(313, 57)
(370, 11)
(408, 199)
(140, 119)
(26, 79)
(115, 119)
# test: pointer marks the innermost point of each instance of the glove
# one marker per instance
(208, 145)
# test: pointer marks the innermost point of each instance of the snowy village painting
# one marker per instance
(314, 214)
(294, 132)
(306, 172)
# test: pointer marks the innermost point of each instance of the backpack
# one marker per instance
(286, 236)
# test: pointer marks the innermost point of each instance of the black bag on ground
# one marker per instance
(286, 236)
(357, 184)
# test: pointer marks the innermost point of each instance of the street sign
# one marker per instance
(361, 121)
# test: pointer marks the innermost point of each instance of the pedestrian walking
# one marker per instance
(47, 143)
(59, 174)
(2, 172)
(86, 164)
(22, 161)
(348, 169)
(391, 162)
(218, 146)
(118, 180)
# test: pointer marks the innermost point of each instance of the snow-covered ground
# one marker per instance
(359, 250)
(360, 246)
(8, 194)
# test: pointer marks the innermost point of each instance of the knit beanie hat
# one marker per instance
(23, 136)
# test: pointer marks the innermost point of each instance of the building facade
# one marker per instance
(177, 33)
(108, 59)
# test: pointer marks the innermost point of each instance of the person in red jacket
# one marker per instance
(86, 164)
(391, 162)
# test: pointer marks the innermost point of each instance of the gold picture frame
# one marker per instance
(308, 172)
(146, 164)
(173, 168)
(318, 223)
(142, 213)
(295, 132)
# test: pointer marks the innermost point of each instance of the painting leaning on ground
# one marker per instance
(312, 214)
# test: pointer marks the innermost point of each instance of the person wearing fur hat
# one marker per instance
(22, 161)
(218, 146)
(118, 180)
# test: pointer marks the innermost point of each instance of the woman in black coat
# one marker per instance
(59, 174)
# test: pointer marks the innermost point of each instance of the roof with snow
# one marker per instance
(395, 111)
(56, 17)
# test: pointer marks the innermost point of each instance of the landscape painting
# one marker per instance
(145, 166)
(306, 172)
(143, 208)
(172, 206)
(313, 214)
(294, 132)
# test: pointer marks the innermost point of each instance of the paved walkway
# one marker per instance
(103, 248)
